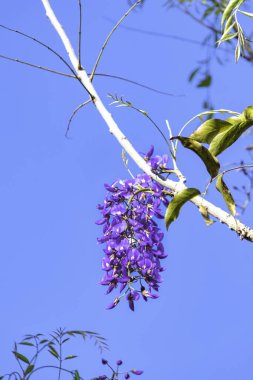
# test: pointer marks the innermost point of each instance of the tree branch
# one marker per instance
(243, 231)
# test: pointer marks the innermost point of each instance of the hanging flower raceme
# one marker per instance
(133, 241)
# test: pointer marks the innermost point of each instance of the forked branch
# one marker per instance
(243, 231)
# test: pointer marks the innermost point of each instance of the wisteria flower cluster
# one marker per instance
(133, 240)
(117, 373)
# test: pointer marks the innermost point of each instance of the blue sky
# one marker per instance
(201, 326)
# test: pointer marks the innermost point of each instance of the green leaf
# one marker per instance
(230, 21)
(226, 138)
(70, 357)
(206, 82)
(237, 52)
(204, 213)
(208, 11)
(229, 9)
(227, 30)
(26, 344)
(228, 37)
(21, 357)
(29, 369)
(177, 202)
(193, 73)
(209, 129)
(124, 158)
(211, 162)
(53, 351)
(76, 375)
(224, 190)
(248, 113)
(246, 13)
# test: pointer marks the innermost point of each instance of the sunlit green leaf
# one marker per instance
(248, 113)
(226, 138)
(228, 37)
(246, 13)
(177, 202)
(237, 52)
(224, 190)
(227, 30)
(211, 162)
(206, 216)
(230, 8)
(209, 129)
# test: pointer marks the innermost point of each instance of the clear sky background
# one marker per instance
(201, 327)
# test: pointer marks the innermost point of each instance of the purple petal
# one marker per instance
(137, 371)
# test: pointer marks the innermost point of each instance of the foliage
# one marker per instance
(31, 355)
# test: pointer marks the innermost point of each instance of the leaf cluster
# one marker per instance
(219, 134)
(34, 347)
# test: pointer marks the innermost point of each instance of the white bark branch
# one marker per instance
(234, 224)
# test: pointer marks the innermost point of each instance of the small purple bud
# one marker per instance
(110, 188)
(113, 304)
(119, 362)
(101, 221)
(150, 152)
(127, 376)
(104, 361)
(137, 372)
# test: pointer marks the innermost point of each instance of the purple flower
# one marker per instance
(131, 297)
(119, 362)
(133, 241)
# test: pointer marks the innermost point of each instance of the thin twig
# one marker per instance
(109, 36)
(36, 66)
(200, 21)
(55, 367)
(80, 34)
(97, 74)
(167, 35)
(224, 172)
(74, 113)
(40, 43)
(178, 173)
(136, 83)
(47, 47)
